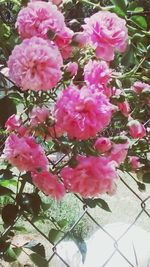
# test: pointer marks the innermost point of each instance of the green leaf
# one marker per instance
(36, 247)
(45, 206)
(54, 235)
(122, 4)
(6, 183)
(38, 260)
(20, 229)
(29, 202)
(5, 174)
(10, 255)
(140, 21)
(129, 57)
(139, 9)
(79, 241)
(62, 223)
(92, 203)
(5, 191)
(119, 11)
(146, 178)
(7, 108)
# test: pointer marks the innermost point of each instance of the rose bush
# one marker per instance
(80, 96)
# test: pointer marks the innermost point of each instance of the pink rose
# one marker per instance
(124, 108)
(102, 144)
(35, 64)
(135, 163)
(49, 184)
(138, 87)
(38, 18)
(106, 32)
(136, 129)
(24, 153)
(91, 176)
(97, 73)
(82, 113)
(72, 68)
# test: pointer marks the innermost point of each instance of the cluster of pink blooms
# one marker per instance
(39, 18)
(82, 113)
(92, 176)
(49, 184)
(35, 64)
(106, 32)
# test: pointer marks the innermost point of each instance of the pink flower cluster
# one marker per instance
(92, 176)
(97, 73)
(106, 32)
(82, 113)
(25, 154)
(35, 64)
(49, 184)
(39, 18)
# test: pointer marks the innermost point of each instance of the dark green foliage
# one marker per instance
(9, 213)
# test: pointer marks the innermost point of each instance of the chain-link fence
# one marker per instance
(143, 209)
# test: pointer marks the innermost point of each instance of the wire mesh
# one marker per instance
(143, 209)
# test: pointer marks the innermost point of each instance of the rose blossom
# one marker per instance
(138, 87)
(135, 163)
(38, 18)
(136, 129)
(103, 144)
(91, 176)
(106, 32)
(49, 184)
(82, 113)
(24, 153)
(72, 68)
(97, 73)
(39, 115)
(35, 64)
(124, 108)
